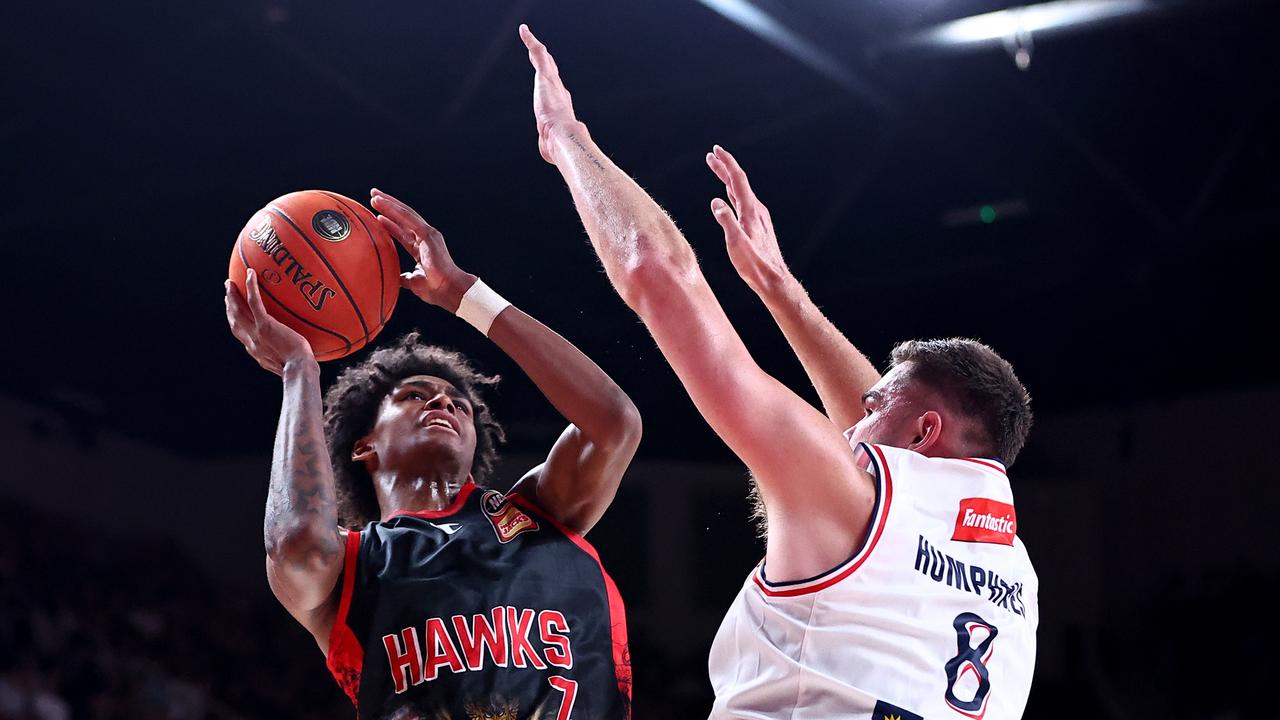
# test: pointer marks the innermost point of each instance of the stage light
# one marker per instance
(757, 21)
(1031, 18)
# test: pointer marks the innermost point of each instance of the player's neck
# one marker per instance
(419, 492)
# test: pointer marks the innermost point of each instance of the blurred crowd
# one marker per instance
(106, 627)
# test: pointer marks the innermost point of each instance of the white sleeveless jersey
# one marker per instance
(934, 617)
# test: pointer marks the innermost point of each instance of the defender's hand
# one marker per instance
(269, 341)
(552, 105)
(435, 279)
(749, 235)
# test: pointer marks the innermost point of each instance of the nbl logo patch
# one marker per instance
(983, 520)
(331, 225)
(507, 519)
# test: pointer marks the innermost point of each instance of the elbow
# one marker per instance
(627, 426)
(654, 275)
(618, 428)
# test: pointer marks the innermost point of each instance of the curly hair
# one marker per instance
(979, 383)
(351, 407)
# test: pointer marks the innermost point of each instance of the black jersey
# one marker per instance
(486, 609)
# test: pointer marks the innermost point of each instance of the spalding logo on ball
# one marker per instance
(328, 269)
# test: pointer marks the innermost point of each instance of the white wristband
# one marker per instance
(480, 306)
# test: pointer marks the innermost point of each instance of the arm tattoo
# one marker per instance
(573, 138)
(308, 492)
(301, 492)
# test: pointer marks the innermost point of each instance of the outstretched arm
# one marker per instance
(838, 370)
(582, 472)
(819, 502)
(305, 551)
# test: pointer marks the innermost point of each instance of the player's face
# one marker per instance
(424, 425)
(892, 409)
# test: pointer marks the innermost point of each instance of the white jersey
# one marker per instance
(934, 617)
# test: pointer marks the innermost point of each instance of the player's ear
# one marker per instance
(928, 432)
(363, 451)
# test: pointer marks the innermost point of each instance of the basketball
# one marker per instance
(326, 268)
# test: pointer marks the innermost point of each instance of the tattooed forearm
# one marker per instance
(311, 501)
(305, 459)
(573, 138)
(301, 523)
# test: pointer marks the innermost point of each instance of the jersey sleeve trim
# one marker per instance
(879, 516)
(463, 493)
(346, 656)
(617, 610)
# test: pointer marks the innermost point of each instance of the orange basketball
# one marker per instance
(325, 266)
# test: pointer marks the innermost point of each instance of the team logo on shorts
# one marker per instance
(331, 225)
(507, 519)
(889, 711)
(984, 520)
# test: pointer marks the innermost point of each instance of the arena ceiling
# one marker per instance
(1128, 175)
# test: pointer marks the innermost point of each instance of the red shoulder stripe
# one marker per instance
(346, 655)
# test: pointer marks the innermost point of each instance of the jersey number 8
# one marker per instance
(970, 659)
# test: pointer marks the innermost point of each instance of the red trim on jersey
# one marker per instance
(454, 506)
(986, 463)
(346, 656)
(875, 538)
(617, 611)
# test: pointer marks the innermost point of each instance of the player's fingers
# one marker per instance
(539, 56)
(256, 307)
(232, 298)
(728, 159)
(392, 227)
(531, 41)
(733, 232)
(527, 36)
(422, 250)
(736, 173)
(413, 281)
(744, 197)
(375, 194)
(419, 248)
(718, 168)
(399, 233)
(722, 172)
(238, 307)
(394, 207)
(238, 316)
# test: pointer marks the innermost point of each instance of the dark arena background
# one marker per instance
(1090, 186)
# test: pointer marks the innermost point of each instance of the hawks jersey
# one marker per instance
(934, 616)
(486, 609)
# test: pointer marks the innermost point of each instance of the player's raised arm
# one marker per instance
(580, 477)
(305, 551)
(819, 502)
(839, 371)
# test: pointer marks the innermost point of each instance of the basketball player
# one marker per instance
(431, 595)
(893, 584)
